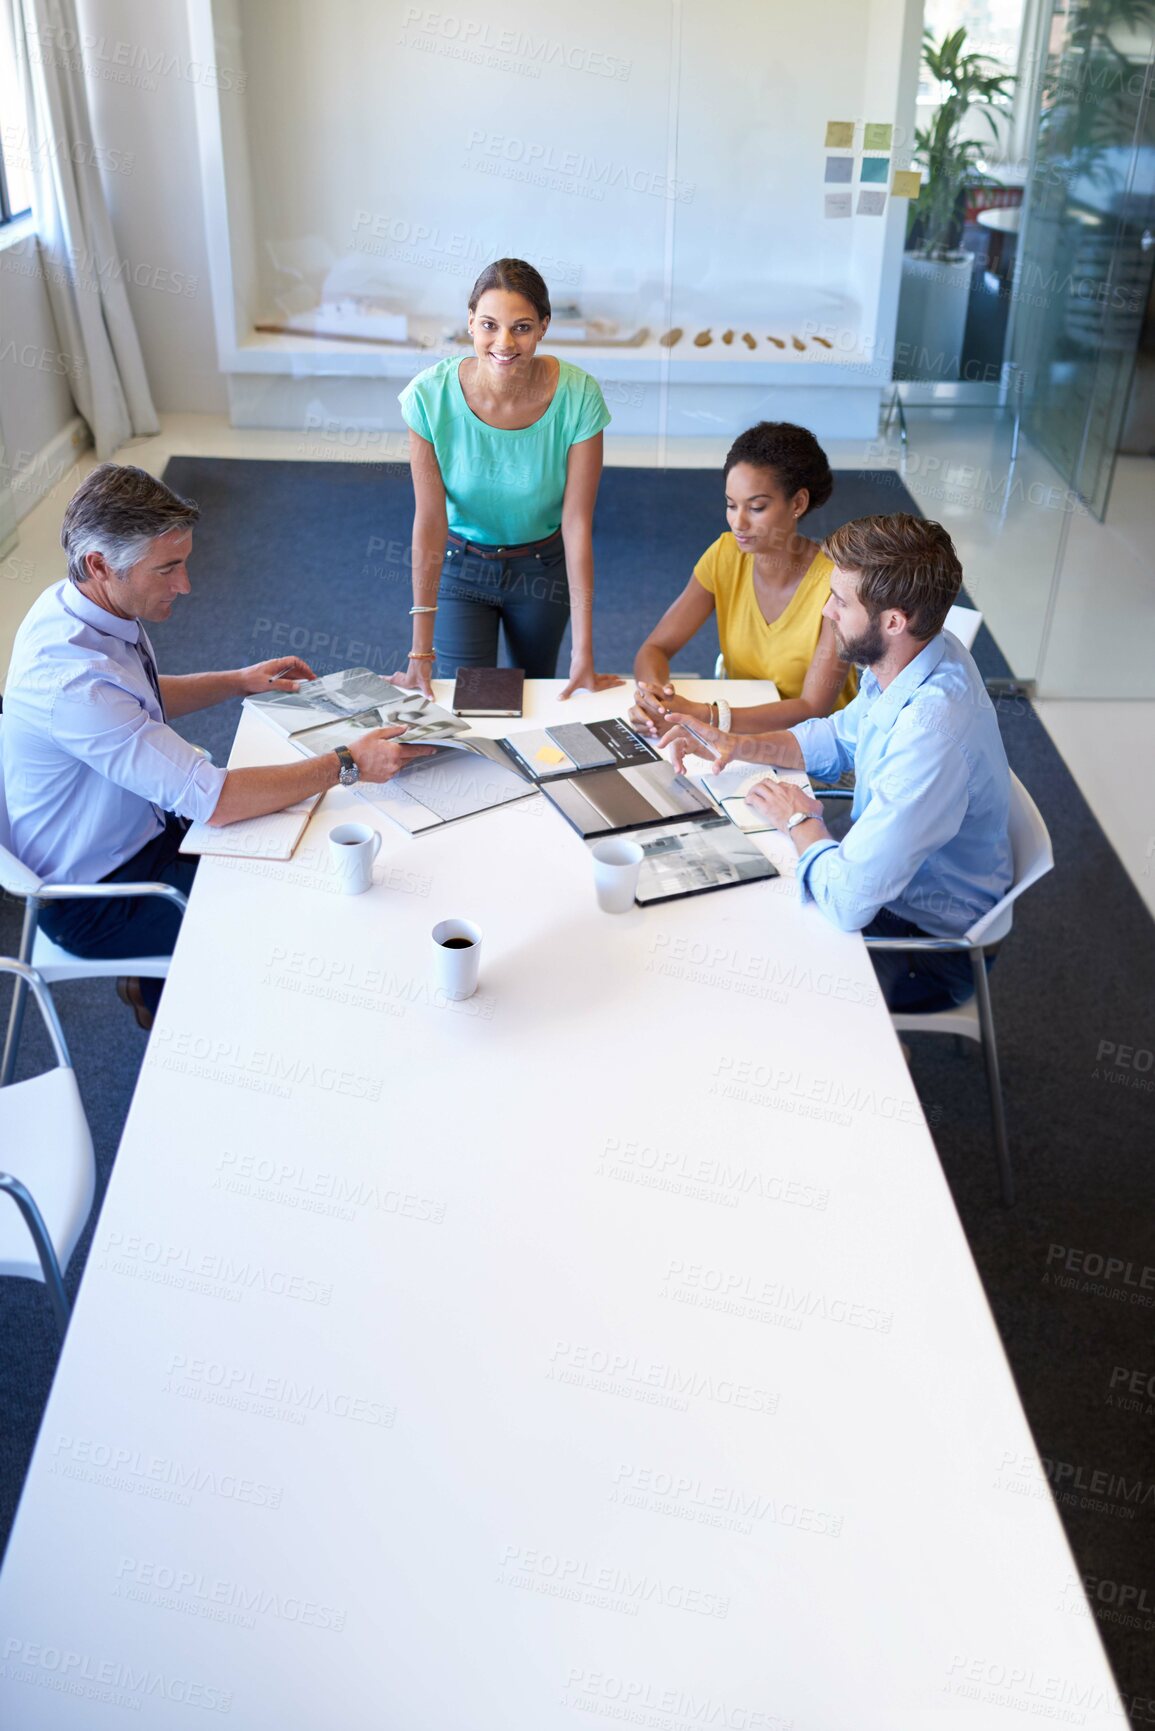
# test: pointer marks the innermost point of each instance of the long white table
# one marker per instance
(605, 1347)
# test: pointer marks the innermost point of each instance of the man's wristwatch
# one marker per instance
(348, 772)
(797, 817)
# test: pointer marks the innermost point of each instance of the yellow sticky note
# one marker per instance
(876, 136)
(906, 183)
(839, 134)
(549, 754)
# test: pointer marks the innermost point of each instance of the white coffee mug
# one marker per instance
(456, 957)
(617, 863)
(352, 849)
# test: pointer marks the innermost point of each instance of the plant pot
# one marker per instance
(932, 316)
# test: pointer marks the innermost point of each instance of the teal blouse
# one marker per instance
(502, 487)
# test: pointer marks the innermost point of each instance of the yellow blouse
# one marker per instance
(752, 648)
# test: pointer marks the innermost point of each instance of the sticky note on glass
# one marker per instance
(839, 203)
(839, 169)
(906, 183)
(877, 137)
(876, 168)
(872, 201)
(839, 134)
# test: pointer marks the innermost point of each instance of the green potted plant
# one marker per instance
(936, 272)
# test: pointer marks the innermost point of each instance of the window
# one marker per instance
(15, 176)
(994, 29)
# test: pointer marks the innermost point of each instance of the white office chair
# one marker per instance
(52, 962)
(46, 1162)
(1033, 859)
(963, 623)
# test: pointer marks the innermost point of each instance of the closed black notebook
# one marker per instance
(488, 691)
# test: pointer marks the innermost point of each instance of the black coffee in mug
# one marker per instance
(457, 943)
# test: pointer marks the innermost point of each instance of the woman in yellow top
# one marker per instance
(768, 585)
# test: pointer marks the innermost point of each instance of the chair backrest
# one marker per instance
(963, 623)
(1033, 858)
(16, 878)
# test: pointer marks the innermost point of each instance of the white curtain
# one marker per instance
(85, 285)
(8, 536)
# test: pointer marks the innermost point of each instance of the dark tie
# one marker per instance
(145, 653)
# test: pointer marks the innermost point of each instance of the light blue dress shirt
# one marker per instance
(932, 792)
(90, 765)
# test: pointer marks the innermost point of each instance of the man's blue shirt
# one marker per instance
(931, 807)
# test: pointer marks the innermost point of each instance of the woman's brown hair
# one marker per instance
(516, 278)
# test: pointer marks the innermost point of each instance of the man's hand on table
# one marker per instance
(283, 673)
(711, 739)
(378, 756)
(779, 800)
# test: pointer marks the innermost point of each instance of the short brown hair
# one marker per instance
(516, 278)
(117, 511)
(900, 561)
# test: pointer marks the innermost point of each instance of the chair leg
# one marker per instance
(991, 1059)
(19, 993)
(50, 1267)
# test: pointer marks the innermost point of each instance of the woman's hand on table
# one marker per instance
(583, 678)
(416, 676)
(655, 706)
(379, 757)
(710, 739)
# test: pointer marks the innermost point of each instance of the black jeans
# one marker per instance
(129, 925)
(919, 980)
(528, 595)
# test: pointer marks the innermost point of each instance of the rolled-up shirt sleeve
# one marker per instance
(827, 742)
(916, 804)
(107, 726)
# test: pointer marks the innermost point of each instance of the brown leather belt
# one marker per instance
(503, 552)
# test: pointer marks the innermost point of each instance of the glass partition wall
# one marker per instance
(1083, 343)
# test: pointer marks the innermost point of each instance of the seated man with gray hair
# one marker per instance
(99, 787)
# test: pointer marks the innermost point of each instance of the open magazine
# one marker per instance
(467, 773)
(356, 694)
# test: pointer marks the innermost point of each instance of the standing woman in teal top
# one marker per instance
(505, 448)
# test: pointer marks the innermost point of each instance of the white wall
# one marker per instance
(664, 162)
(141, 85)
(367, 119)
